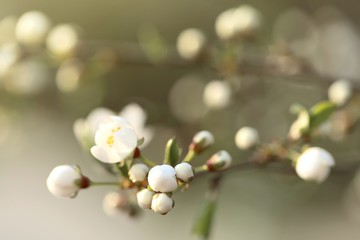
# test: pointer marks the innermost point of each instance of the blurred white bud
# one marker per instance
(114, 202)
(340, 92)
(201, 141)
(184, 172)
(138, 172)
(144, 198)
(9, 55)
(299, 126)
(191, 43)
(246, 137)
(7, 30)
(162, 178)
(314, 164)
(217, 94)
(68, 75)
(32, 28)
(115, 140)
(28, 77)
(219, 161)
(65, 181)
(162, 203)
(243, 21)
(63, 40)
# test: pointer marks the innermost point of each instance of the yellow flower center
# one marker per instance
(110, 140)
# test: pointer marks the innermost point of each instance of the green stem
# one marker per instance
(189, 156)
(104, 184)
(201, 169)
(147, 161)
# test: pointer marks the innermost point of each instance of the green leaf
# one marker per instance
(204, 221)
(172, 152)
(152, 43)
(321, 112)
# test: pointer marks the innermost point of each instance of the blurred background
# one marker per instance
(39, 104)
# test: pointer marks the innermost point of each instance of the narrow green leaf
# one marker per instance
(321, 112)
(204, 221)
(172, 152)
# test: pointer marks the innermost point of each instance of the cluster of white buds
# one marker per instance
(65, 181)
(314, 164)
(246, 138)
(138, 172)
(243, 21)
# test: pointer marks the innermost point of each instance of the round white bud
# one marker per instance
(243, 21)
(219, 161)
(62, 181)
(190, 43)
(184, 172)
(62, 40)
(340, 92)
(202, 140)
(138, 172)
(113, 202)
(246, 137)
(217, 94)
(162, 203)
(314, 164)
(144, 198)
(32, 27)
(162, 178)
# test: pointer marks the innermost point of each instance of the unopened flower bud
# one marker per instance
(32, 27)
(201, 141)
(190, 43)
(162, 203)
(246, 138)
(162, 178)
(63, 40)
(219, 161)
(184, 172)
(314, 164)
(340, 92)
(138, 172)
(144, 198)
(217, 94)
(114, 202)
(65, 181)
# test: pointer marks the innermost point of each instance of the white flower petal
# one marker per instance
(125, 142)
(106, 154)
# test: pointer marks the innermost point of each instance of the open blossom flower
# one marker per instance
(32, 28)
(314, 164)
(162, 178)
(85, 129)
(115, 141)
(144, 198)
(138, 172)
(162, 203)
(246, 137)
(184, 172)
(65, 181)
(201, 141)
